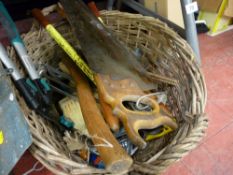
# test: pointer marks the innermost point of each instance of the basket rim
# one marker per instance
(178, 148)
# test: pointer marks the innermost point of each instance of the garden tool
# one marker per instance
(58, 80)
(61, 41)
(113, 155)
(36, 91)
(20, 81)
(15, 137)
(27, 90)
(42, 88)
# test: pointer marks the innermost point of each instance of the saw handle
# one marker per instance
(111, 152)
(112, 121)
(133, 121)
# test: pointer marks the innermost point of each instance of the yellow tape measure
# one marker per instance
(165, 130)
(70, 51)
(1, 137)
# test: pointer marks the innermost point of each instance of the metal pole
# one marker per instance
(190, 30)
(110, 4)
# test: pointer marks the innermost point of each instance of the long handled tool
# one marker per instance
(63, 43)
(112, 121)
(20, 81)
(113, 155)
(27, 91)
(42, 88)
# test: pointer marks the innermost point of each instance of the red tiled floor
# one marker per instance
(201, 162)
(221, 148)
(217, 120)
(26, 164)
(214, 156)
(178, 168)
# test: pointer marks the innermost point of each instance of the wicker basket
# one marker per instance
(168, 54)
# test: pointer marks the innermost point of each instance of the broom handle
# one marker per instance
(111, 152)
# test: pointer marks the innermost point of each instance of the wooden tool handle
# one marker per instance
(93, 8)
(40, 17)
(113, 155)
(112, 121)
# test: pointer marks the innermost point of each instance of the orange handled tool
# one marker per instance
(95, 10)
(112, 121)
(111, 152)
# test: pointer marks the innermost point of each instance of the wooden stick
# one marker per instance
(111, 120)
(111, 152)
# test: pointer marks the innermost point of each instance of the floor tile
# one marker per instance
(178, 169)
(229, 171)
(226, 105)
(200, 162)
(220, 147)
(217, 121)
(219, 82)
(26, 164)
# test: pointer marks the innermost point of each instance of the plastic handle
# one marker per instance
(40, 17)
(93, 8)
(32, 102)
(9, 24)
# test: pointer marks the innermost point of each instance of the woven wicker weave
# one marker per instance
(163, 52)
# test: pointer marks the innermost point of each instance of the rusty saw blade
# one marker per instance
(104, 53)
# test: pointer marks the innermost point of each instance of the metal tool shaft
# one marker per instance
(8, 63)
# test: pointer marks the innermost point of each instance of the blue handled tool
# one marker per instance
(40, 87)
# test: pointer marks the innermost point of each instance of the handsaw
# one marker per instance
(104, 53)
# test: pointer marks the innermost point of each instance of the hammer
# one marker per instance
(111, 152)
